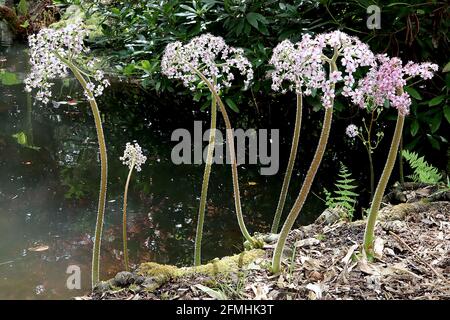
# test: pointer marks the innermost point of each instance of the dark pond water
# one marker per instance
(49, 175)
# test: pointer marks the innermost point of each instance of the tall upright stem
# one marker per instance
(231, 150)
(290, 167)
(369, 234)
(103, 175)
(124, 217)
(205, 183)
(306, 187)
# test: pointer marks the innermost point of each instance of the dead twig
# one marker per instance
(396, 237)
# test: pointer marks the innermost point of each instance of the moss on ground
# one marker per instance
(163, 273)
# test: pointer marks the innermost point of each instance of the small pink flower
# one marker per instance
(302, 65)
(384, 80)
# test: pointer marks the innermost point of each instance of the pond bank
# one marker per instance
(413, 263)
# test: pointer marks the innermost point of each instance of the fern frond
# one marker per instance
(423, 172)
(343, 196)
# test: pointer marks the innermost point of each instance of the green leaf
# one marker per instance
(447, 113)
(436, 123)
(434, 143)
(447, 67)
(115, 11)
(257, 21)
(22, 139)
(9, 78)
(232, 105)
(215, 294)
(129, 69)
(22, 7)
(198, 96)
(414, 93)
(252, 19)
(436, 101)
(414, 127)
(26, 24)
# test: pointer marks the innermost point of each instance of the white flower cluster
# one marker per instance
(133, 155)
(48, 48)
(303, 64)
(298, 64)
(352, 131)
(211, 56)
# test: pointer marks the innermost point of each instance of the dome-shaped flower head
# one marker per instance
(350, 54)
(48, 48)
(303, 64)
(299, 65)
(385, 78)
(210, 55)
(133, 156)
(352, 131)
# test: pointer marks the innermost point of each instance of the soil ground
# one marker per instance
(324, 262)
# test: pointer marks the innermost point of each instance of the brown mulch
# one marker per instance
(413, 263)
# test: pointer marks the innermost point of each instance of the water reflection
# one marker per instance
(49, 171)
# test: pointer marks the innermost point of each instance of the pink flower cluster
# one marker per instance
(211, 56)
(46, 50)
(303, 64)
(385, 80)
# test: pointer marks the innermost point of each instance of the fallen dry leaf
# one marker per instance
(39, 248)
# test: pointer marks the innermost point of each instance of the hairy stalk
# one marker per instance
(400, 162)
(104, 173)
(290, 167)
(230, 140)
(124, 218)
(306, 187)
(290, 220)
(379, 192)
(205, 183)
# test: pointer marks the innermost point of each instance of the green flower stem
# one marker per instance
(372, 171)
(124, 218)
(306, 187)
(369, 233)
(205, 183)
(369, 154)
(290, 167)
(103, 176)
(230, 140)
